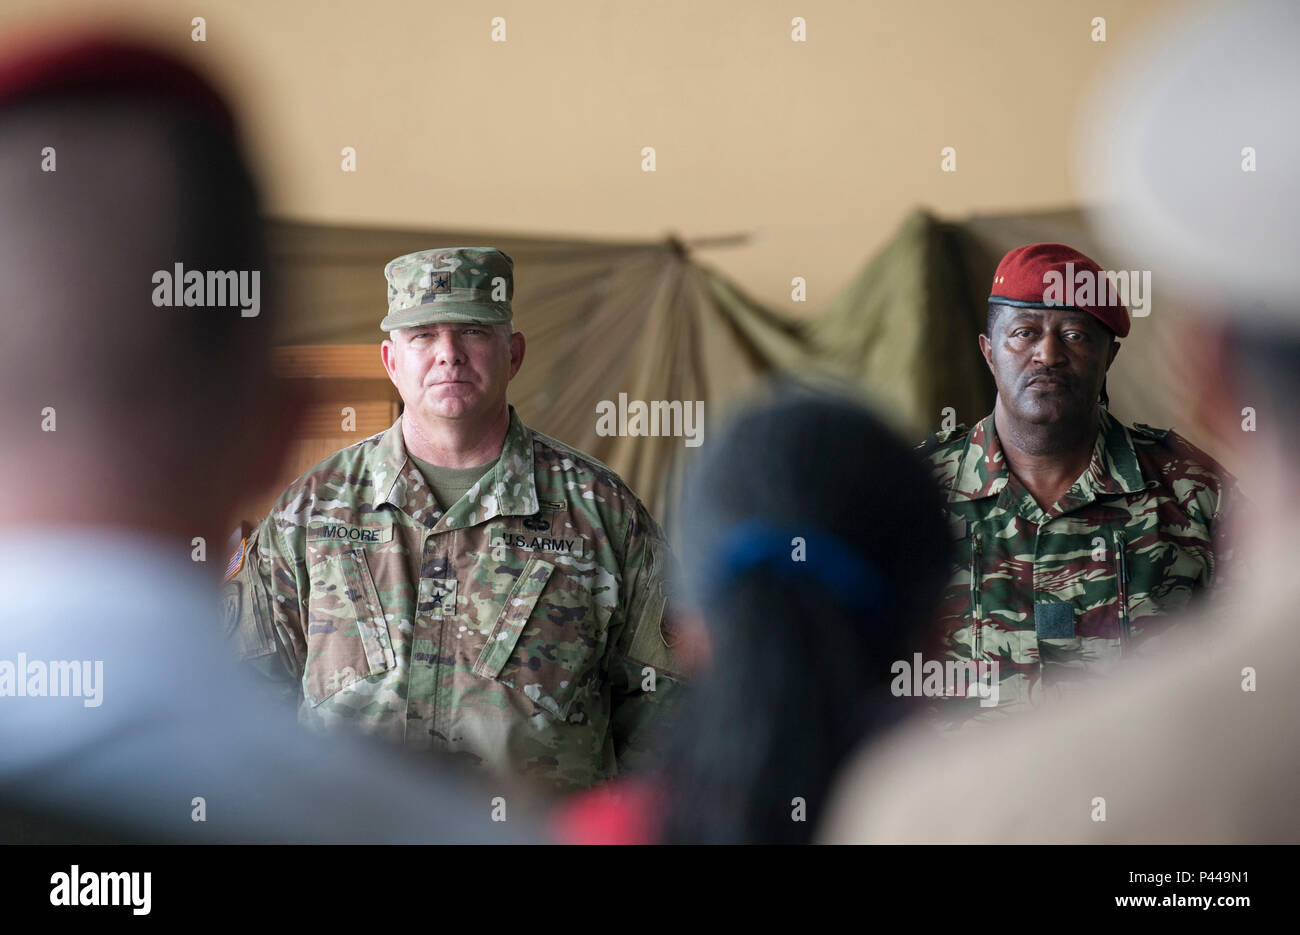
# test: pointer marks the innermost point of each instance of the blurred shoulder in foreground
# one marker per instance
(136, 408)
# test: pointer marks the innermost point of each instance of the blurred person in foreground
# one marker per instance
(1079, 538)
(130, 428)
(1203, 744)
(813, 550)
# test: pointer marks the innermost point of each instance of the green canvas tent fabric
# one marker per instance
(646, 320)
(902, 331)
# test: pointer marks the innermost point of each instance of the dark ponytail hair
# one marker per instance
(802, 650)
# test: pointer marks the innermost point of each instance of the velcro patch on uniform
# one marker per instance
(529, 541)
(232, 605)
(1054, 620)
(438, 281)
(437, 596)
(342, 532)
(651, 639)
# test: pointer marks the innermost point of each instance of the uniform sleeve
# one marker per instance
(1233, 508)
(263, 614)
(644, 675)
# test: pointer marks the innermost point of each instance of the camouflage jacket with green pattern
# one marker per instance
(521, 628)
(1057, 597)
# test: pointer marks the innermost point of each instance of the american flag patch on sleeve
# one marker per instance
(236, 560)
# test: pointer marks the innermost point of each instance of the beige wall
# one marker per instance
(815, 149)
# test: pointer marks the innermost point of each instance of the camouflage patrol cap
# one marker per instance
(465, 284)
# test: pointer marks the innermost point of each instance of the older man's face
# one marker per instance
(453, 370)
(1048, 364)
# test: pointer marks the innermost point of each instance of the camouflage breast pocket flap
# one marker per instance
(248, 614)
(347, 631)
(514, 615)
(545, 642)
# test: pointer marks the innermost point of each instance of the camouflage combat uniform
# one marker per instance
(1057, 597)
(518, 628)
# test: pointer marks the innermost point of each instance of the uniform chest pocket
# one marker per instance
(543, 642)
(347, 632)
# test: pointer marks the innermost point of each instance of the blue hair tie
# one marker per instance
(828, 561)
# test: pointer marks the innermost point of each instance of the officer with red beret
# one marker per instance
(1078, 536)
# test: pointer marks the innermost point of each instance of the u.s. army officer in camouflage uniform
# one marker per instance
(1077, 536)
(460, 582)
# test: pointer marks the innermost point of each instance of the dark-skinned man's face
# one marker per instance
(1048, 363)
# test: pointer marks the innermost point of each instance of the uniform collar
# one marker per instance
(982, 470)
(1113, 469)
(508, 489)
(1114, 466)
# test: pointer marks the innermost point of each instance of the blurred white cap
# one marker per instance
(1163, 143)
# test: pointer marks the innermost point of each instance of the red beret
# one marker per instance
(1047, 275)
(43, 67)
